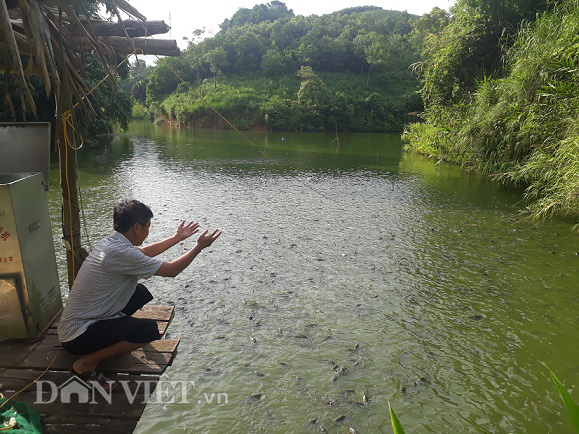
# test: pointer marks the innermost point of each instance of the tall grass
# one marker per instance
(522, 128)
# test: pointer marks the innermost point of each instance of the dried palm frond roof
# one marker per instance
(50, 38)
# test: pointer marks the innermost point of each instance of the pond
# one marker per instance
(346, 277)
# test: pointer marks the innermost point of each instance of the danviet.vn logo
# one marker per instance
(75, 390)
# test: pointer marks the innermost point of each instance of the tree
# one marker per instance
(248, 51)
(262, 56)
(273, 62)
(263, 12)
(377, 49)
(135, 84)
(469, 47)
(313, 93)
(217, 60)
(428, 26)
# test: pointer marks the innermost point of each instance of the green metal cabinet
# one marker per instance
(29, 287)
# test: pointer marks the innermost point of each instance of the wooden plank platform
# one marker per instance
(139, 371)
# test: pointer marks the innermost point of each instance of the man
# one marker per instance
(96, 320)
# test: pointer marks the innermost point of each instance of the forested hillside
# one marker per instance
(499, 83)
(267, 68)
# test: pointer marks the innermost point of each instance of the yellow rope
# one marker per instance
(95, 87)
(71, 228)
(34, 381)
(162, 60)
(66, 122)
(67, 115)
(202, 99)
(66, 118)
(9, 427)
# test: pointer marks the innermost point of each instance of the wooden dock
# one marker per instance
(21, 363)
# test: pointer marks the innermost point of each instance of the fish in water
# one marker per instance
(340, 419)
(340, 371)
(328, 400)
(421, 380)
(255, 397)
(364, 401)
(312, 423)
(355, 349)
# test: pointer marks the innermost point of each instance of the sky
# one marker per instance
(184, 16)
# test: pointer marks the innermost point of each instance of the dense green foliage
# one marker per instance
(460, 51)
(111, 105)
(271, 69)
(259, 13)
(512, 114)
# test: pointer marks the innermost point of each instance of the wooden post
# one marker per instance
(69, 189)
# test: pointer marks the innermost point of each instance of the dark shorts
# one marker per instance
(105, 333)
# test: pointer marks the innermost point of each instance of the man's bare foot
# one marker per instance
(82, 365)
(89, 373)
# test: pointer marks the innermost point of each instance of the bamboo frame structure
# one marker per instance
(49, 38)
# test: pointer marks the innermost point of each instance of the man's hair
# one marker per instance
(129, 212)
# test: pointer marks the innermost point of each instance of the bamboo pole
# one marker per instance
(69, 190)
(68, 179)
(56, 61)
(130, 28)
(160, 47)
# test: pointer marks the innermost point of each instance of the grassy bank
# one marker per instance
(309, 102)
(522, 127)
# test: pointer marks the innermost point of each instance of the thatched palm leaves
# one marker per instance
(50, 38)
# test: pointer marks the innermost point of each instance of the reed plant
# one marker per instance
(570, 405)
(521, 128)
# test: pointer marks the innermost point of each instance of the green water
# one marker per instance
(423, 282)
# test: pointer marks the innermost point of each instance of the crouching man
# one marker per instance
(96, 321)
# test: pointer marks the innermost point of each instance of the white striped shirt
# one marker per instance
(104, 285)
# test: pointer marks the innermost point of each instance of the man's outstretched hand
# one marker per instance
(184, 231)
(206, 238)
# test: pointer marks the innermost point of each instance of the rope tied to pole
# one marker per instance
(69, 132)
